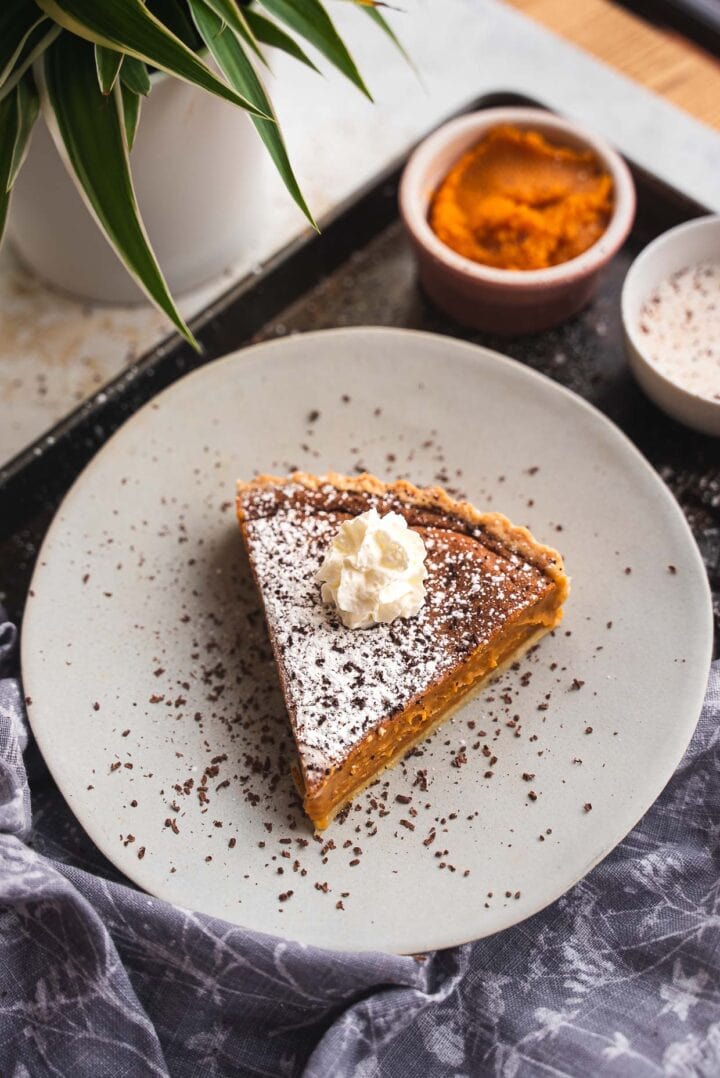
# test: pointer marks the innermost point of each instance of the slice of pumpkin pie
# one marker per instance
(385, 604)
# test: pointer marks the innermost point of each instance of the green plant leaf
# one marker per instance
(385, 26)
(18, 112)
(40, 39)
(27, 104)
(228, 13)
(108, 63)
(234, 17)
(239, 71)
(310, 19)
(135, 76)
(269, 33)
(127, 25)
(88, 131)
(131, 114)
(18, 18)
(8, 134)
(174, 15)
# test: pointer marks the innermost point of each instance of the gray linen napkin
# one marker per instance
(621, 976)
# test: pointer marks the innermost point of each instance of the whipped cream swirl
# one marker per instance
(374, 570)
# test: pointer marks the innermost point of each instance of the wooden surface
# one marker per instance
(661, 60)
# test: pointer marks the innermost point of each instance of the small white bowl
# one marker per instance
(686, 245)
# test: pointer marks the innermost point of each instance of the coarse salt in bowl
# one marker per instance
(671, 319)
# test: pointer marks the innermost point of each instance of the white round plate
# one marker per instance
(145, 658)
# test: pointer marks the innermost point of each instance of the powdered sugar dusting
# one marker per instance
(340, 683)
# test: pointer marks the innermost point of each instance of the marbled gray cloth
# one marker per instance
(619, 977)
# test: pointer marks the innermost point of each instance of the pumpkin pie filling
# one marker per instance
(519, 202)
(359, 699)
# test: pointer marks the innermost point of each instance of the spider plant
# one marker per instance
(86, 65)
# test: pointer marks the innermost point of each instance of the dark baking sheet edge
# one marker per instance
(34, 475)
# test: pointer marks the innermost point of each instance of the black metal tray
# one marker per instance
(360, 271)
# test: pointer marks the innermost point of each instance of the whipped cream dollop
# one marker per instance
(374, 570)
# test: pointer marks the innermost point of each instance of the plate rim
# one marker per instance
(41, 731)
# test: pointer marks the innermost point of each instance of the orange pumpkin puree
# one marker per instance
(519, 202)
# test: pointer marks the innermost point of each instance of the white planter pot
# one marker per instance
(197, 169)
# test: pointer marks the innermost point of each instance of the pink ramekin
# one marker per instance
(497, 300)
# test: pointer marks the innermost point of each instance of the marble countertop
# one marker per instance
(56, 351)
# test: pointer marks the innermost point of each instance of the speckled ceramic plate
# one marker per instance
(155, 702)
